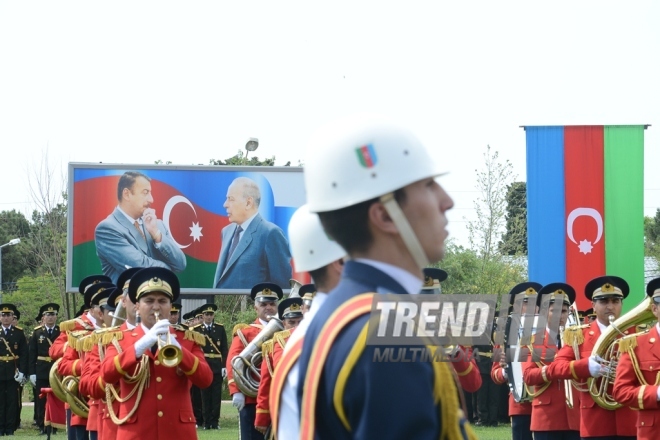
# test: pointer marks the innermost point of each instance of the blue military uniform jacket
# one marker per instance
(380, 399)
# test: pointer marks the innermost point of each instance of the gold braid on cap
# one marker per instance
(428, 281)
(91, 284)
(529, 291)
(294, 308)
(607, 289)
(154, 284)
(656, 292)
(102, 289)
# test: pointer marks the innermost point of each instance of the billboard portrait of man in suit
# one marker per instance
(253, 250)
(132, 235)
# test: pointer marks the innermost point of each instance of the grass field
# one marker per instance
(229, 428)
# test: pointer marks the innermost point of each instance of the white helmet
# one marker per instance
(360, 159)
(363, 158)
(310, 246)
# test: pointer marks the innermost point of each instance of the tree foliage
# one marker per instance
(241, 158)
(652, 235)
(514, 240)
(13, 225)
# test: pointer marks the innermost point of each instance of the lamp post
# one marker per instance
(12, 242)
(251, 145)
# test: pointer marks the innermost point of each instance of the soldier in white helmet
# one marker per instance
(315, 253)
(373, 186)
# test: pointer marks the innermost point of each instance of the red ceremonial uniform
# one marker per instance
(594, 420)
(549, 409)
(515, 408)
(267, 369)
(467, 370)
(248, 334)
(71, 363)
(641, 396)
(165, 410)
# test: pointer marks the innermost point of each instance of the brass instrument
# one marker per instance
(607, 347)
(168, 354)
(568, 384)
(295, 288)
(66, 389)
(119, 315)
(246, 366)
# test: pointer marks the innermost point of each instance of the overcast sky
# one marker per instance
(134, 82)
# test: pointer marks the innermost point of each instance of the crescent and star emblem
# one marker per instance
(585, 246)
(195, 229)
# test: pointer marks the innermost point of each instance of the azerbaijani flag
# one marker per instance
(585, 206)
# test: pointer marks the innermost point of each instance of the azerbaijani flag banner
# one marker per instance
(585, 206)
(188, 200)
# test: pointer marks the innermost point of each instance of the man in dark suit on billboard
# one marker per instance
(253, 249)
(132, 235)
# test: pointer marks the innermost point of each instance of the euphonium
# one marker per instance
(55, 381)
(607, 347)
(78, 406)
(168, 354)
(246, 366)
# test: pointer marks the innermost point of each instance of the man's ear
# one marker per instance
(380, 218)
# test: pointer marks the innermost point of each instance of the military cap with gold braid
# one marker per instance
(290, 308)
(266, 292)
(188, 315)
(557, 291)
(197, 312)
(307, 292)
(125, 277)
(153, 279)
(89, 281)
(607, 286)
(176, 308)
(48, 308)
(208, 308)
(653, 289)
(526, 289)
(113, 299)
(433, 277)
(96, 289)
(8, 308)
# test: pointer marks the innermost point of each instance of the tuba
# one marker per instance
(246, 366)
(607, 347)
(66, 389)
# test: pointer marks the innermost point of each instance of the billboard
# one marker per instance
(185, 218)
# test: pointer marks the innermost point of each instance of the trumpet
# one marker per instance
(168, 354)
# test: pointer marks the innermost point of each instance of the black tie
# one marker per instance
(558, 341)
(234, 241)
(50, 332)
(153, 349)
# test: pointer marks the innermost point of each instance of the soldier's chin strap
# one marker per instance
(405, 230)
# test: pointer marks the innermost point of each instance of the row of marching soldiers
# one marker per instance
(594, 380)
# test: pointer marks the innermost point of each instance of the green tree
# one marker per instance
(514, 240)
(652, 235)
(241, 159)
(32, 293)
(13, 224)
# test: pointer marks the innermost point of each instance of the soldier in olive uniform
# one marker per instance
(215, 352)
(13, 365)
(40, 363)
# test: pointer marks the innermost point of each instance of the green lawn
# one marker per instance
(229, 428)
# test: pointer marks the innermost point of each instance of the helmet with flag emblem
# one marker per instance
(363, 158)
(311, 247)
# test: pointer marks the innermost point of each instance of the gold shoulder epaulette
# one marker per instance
(67, 326)
(629, 342)
(238, 327)
(217, 323)
(102, 335)
(280, 337)
(19, 328)
(195, 336)
(38, 327)
(573, 334)
(195, 326)
(267, 348)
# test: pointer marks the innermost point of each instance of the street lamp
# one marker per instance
(12, 242)
(251, 145)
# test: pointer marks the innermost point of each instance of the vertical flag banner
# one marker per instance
(585, 206)
(189, 202)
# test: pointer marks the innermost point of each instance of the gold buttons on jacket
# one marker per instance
(159, 397)
(160, 414)
(159, 379)
(157, 362)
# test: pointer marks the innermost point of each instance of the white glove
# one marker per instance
(595, 368)
(151, 337)
(33, 380)
(18, 377)
(238, 400)
(224, 374)
(504, 375)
